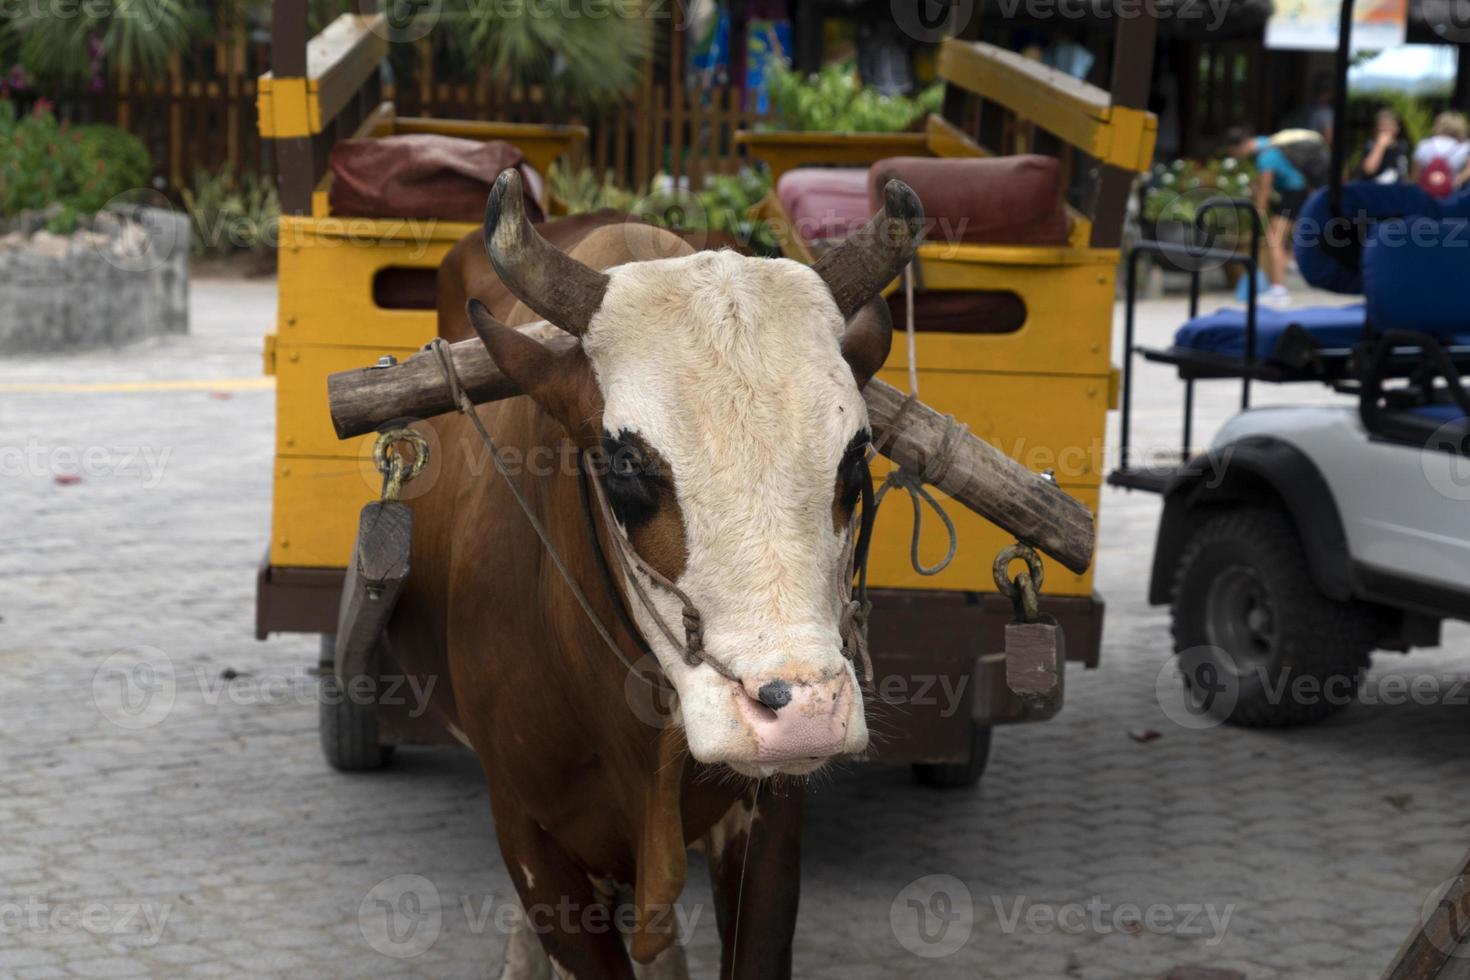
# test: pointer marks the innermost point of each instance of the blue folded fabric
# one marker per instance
(1223, 332)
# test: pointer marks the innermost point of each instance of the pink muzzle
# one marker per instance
(800, 721)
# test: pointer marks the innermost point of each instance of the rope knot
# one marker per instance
(693, 636)
(854, 629)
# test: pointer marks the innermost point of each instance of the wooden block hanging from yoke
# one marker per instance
(1035, 657)
(375, 578)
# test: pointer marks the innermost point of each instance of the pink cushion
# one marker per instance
(825, 202)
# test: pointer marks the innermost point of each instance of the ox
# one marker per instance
(721, 398)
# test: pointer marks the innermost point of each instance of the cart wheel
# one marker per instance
(958, 775)
(349, 731)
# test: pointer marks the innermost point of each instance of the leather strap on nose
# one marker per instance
(853, 624)
(634, 569)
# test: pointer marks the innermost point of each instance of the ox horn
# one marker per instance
(542, 276)
(870, 258)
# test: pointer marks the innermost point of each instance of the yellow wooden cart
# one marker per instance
(353, 290)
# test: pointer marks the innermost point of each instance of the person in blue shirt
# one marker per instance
(1279, 191)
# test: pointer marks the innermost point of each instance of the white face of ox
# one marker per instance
(725, 389)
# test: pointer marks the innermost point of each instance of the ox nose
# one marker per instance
(798, 721)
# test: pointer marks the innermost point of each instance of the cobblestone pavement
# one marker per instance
(215, 842)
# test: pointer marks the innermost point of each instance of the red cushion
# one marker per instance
(1015, 200)
(1012, 200)
(424, 175)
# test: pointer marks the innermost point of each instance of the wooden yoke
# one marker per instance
(975, 473)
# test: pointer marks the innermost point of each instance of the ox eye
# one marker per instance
(626, 464)
(853, 470)
(631, 478)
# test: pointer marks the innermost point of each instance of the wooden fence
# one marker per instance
(202, 117)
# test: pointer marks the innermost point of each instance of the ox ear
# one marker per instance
(867, 340)
(563, 383)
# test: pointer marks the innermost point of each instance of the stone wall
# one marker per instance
(123, 279)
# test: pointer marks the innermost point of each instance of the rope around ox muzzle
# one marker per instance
(852, 624)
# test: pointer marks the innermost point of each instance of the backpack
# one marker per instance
(1437, 179)
(1307, 151)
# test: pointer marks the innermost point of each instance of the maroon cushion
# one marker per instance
(1013, 200)
(424, 176)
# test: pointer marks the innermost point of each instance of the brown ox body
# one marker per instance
(585, 791)
(724, 394)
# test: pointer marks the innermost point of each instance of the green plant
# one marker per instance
(67, 40)
(1176, 191)
(110, 162)
(582, 190)
(592, 52)
(720, 206)
(38, 159)
(231, 214)
(45, 163)
(833, 100)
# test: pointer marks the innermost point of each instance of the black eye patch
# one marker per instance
(633, 476)
(853, 469)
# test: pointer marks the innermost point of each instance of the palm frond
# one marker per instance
(137, 35)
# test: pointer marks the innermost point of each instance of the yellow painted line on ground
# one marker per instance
(216, 384)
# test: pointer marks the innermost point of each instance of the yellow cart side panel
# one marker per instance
(315, 505)
(1054, 422)
(327, 267)
(303, 424)
(1043, 421)
(979, 540)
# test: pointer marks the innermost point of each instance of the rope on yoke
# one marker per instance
(446, 363)
(936, 468)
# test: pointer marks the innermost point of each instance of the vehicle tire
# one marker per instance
(958, 775)
(1258, 644)
(348, 730)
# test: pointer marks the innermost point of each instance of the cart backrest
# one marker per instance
(317, 94)
(1008, 103)
(329, 88)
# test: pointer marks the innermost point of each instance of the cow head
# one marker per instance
(726, 394)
